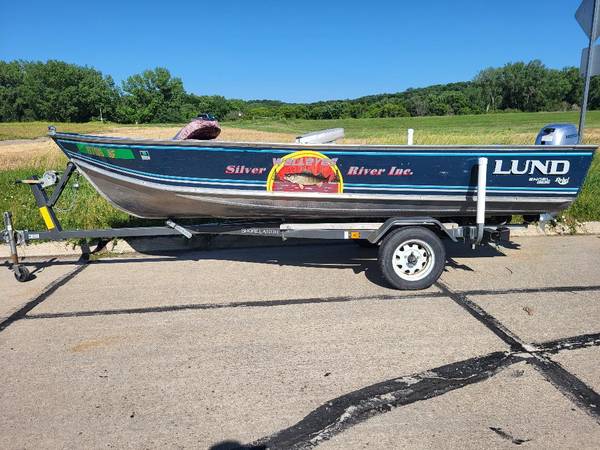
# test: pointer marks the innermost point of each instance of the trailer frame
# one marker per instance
(373, 232)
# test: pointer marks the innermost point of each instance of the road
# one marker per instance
(290, 347)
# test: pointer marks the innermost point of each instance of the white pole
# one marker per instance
(410, 136)
(481, 193)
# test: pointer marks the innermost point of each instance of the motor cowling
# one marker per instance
(558, 134)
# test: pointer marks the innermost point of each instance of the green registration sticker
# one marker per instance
(113, 153)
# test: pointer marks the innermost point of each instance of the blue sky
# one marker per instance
(294, 50)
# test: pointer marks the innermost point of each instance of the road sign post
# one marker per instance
(587, 15)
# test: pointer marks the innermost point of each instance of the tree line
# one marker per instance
(58, 91)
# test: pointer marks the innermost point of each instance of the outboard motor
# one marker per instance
(558, 134)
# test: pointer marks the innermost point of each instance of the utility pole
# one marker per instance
(592, 30)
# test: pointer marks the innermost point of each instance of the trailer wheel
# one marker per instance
(21, 273)
(412, 258)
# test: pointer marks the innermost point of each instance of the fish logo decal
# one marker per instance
(305, 171)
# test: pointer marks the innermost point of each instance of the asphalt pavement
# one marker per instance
(302, 346)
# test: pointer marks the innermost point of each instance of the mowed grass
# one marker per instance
(32, 130)
(501, 128)
(84, 208)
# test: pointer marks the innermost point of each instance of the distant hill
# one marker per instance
(57, 91)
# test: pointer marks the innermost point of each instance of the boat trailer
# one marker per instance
(411, 254)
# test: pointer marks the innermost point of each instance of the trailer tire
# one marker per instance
(412, 258)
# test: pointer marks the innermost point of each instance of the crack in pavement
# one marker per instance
(533, 290)
(503, 434)
(337, 415)
(489, 321)
(242, 304)
(570, 343)
(21, 313)
(341, 413)
(567, 383)
(299, 301)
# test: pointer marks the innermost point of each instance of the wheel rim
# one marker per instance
(413, 260)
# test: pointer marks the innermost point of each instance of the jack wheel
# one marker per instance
(21, 273)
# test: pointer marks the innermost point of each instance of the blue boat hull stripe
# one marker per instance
(501, 152)
(347, 186)
(196, 192)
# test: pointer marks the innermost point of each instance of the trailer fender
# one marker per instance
(392, 223)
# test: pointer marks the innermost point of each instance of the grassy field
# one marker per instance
(32, 130)
(88, 210)
(83, 208)
(506, 128)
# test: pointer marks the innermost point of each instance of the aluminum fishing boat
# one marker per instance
(194, 179)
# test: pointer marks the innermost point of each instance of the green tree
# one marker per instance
(575, 82)
(11, 103)
(152, 96)
(488, 81)
(524, 86)
(594, 97)
(54, 90)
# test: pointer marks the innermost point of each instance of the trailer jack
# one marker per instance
(11, 237)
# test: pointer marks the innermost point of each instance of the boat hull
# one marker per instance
(269, 181)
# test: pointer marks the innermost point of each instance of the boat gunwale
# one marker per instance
(280, 145)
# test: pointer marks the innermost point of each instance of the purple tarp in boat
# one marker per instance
(203, 127)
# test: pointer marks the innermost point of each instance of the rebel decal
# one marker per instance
(305, 171)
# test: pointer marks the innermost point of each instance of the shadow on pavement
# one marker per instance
(346, 255)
